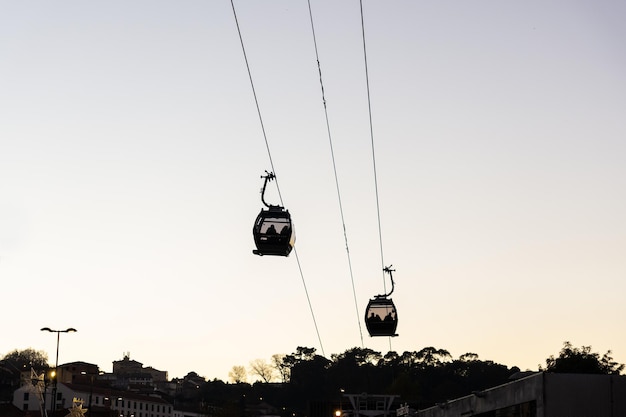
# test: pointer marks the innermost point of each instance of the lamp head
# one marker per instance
(68, 330)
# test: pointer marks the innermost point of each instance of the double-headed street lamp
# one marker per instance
(56, 363)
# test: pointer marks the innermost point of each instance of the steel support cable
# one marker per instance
(256, 101)
(295, 251)
(269, 154)
(332, 154)
(369, 110)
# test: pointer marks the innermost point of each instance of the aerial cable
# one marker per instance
(295, 251)
(369, 108)
(332, 153)
(269, 154)
(256, 101)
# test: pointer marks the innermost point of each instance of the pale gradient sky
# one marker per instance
(131, 154)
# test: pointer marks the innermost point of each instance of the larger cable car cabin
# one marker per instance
(381, 316)
(273, 229)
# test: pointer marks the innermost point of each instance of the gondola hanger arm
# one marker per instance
(268, 177)
(388, 270)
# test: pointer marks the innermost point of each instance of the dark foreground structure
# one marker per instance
(542, 395)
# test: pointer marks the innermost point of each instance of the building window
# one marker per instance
(26, 396)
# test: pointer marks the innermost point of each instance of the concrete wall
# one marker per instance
(584, 395)
(554, 395)
(517, 392)
(619, 396)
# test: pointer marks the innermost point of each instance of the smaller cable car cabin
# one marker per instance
(273, 229)
(381, 317)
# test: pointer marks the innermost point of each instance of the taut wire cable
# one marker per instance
(269, 154)
(332, 153)
(369, 108)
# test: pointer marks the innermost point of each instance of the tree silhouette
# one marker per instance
(279, 365)
(430, 356)
(26, 358)
(262, 369)
(13, 364)
(582, 360)
(237, 374)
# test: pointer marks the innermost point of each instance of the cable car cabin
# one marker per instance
(273, 232)
(381, 318)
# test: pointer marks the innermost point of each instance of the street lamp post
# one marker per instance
(56, 363)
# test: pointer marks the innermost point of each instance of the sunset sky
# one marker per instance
(131, 155)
